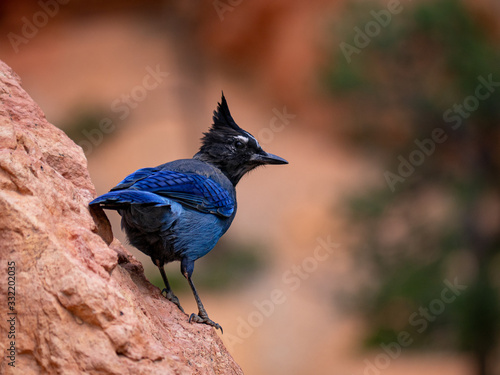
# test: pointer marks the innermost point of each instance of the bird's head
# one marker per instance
(231, 149)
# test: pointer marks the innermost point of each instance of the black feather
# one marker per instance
(222, 117)
(223, 126)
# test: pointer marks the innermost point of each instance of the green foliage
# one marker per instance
(84, 119)
(425, 62)
(90, 127)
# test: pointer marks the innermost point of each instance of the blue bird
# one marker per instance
(178, 211)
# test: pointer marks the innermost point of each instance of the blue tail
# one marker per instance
(119, 199)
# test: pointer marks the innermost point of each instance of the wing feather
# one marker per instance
(195, 191)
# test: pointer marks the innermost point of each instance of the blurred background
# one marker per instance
(376, 250)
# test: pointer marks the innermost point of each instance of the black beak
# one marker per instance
(265, 158)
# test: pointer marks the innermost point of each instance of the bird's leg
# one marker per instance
(202, 316)
(167, 290)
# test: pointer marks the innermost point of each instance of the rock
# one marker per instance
(81, 300)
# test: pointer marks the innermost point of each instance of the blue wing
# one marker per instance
(134, 177)
(149, 185)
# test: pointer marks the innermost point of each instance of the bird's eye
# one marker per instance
(239, 144)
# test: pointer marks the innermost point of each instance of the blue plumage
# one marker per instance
(179, 210)
(193, 190)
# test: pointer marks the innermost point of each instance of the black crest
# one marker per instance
(222, 117)
(223, 124)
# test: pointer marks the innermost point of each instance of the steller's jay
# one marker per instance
(179, 210)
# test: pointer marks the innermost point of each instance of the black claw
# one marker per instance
(172, 298)
(202, 318)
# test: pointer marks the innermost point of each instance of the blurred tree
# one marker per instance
(424, 92)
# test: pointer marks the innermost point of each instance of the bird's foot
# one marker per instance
(202, 317)
(172, 298)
